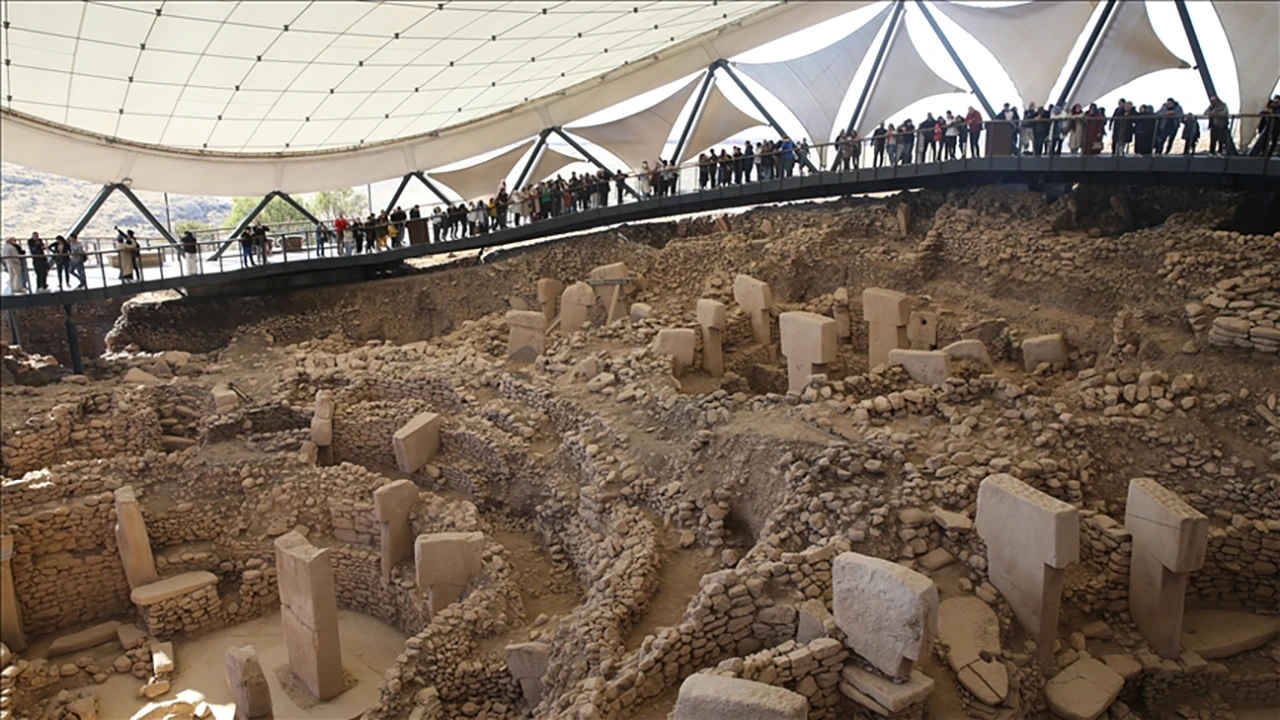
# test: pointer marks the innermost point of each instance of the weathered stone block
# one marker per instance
(888, 613)
(886, 307)
(247, 683)
(808, 337)
(713, 697)
(931, 367)
(1050, 349)
(711, 313)
(417, 442)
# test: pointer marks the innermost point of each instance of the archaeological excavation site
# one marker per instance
(982, 453)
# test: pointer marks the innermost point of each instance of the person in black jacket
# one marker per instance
(926, 133)
(1120, 128)
(35, 248)
(877, 141)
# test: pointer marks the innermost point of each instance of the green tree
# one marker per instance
(276, 211)
(329, 204)
(182, 226)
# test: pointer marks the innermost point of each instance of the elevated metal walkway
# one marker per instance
(1229, 173)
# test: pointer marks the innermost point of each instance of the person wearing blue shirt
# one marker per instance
(788, 152)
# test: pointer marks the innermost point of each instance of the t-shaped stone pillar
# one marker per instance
(575, 306)
(309, 613)
(611, 295)
(445, 564)
(528, 335)
(322, 420)
(549, 291)
(391, 505)
(247, 683)
(131, 537)
(1169, 539)
(756, 298)
(711, 318)
(417, 442)
(809, 344)
(679, 343)
(10, 614)
(887, 313)
(888, 613)
(527, 663)
(1031, 538)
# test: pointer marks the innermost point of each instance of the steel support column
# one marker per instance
(244, 223)
(1089, 44)
(435, 189)
(694, 113)
(73, 343)
(592, 159)
(94, 206)
(533, 158)
(1196, 53)
(724, 65)
(955, 58)
(296, 206)
(890, 28)
(404, 182)
(15, 331)
(164, 232)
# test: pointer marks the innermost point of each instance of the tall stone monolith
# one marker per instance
(1169, 541)
(309, 612)
(391, 505)
(131, 537)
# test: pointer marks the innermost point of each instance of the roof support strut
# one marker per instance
(889, 28)
(724, 65)
(1192, 38)
(955, 58)
(592, 159)
(694, 113)
(534, 156)
(101, 198)
(262, 205)
(1089, 44)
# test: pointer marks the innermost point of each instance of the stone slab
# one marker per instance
(808, 337)
(922, 330)
(881, 338)
(85, 639)
(679, 343)
(888, 613)
(711, 313)
(1166, 526)
(575, 306)
(172, 587)
(247, 683)
(1050, 349)
(752, 294)
(309, 614)
(713, 697)
(130, 636)
(392, 504)
(886, 307)
(891, 697)
(1084, 690)
(971, 350)
(1217, 634)
(162, 657)
(930, 367)
(969, 628)
(417, 442)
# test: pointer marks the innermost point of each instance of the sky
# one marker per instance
(1182, 84)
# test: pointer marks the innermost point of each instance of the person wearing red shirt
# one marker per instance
(974, 118)
(340, 227)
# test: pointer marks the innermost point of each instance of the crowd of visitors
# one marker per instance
(1036, 130)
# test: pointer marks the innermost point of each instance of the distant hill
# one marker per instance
(31, 200)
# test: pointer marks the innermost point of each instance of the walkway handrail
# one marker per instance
(827, 153)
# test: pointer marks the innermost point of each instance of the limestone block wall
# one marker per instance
(362, 431)
(66, 565)
(812, 670)
(98, 426)
(437, 392)
(1241, 567)
(353, 520)
(193, 612)
(358, 576)
(261, 417)
(1105, 546)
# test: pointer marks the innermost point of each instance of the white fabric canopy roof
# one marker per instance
(1127, 49)
(482, 179)
(904, 78)
(1252, 30)
(641, 136)
(59, 145)
(1030, 41)
(720, 119)
(550, 162)
(814, 86)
